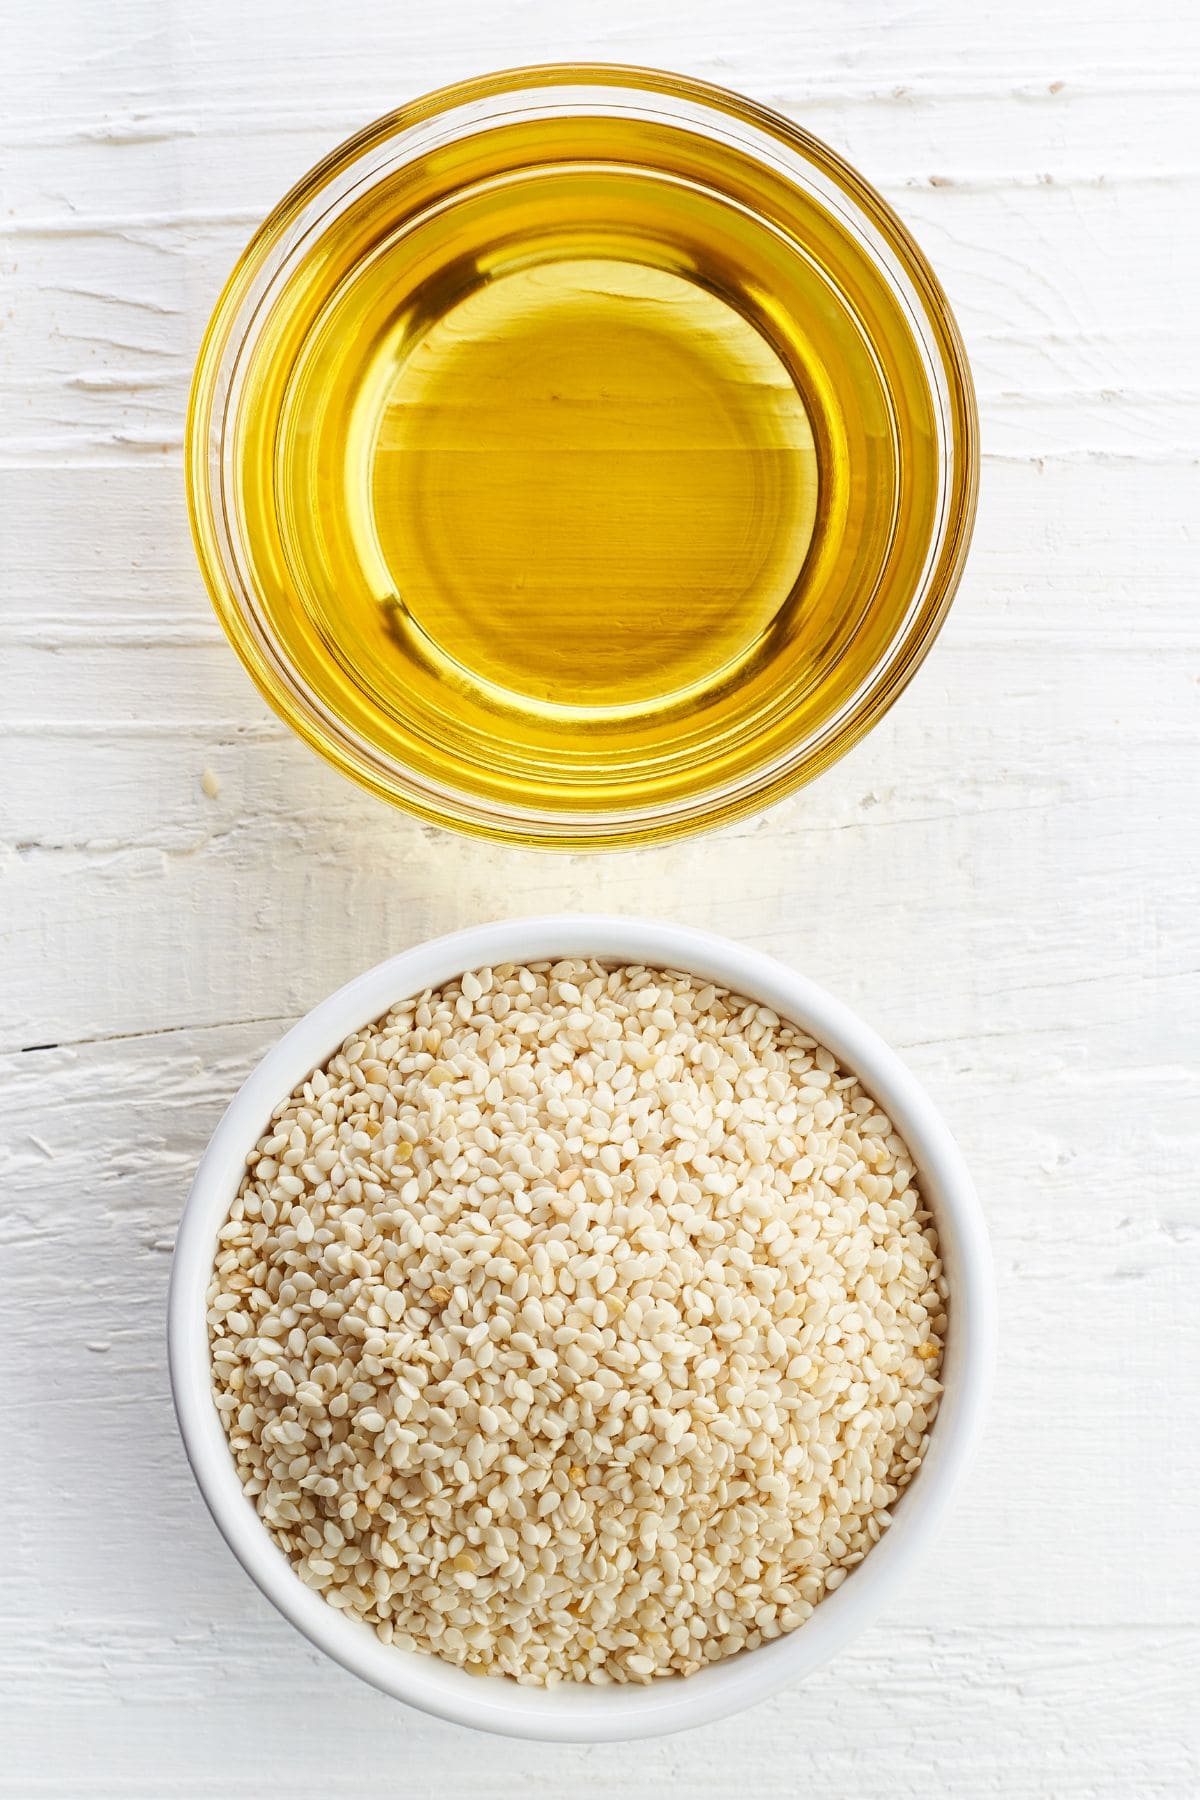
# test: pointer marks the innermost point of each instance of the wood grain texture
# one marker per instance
(1003, 877)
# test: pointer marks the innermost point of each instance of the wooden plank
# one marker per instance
(1002, 877)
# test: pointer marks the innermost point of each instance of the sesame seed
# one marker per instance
(577, 1323)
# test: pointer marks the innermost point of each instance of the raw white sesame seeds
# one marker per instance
(576, 1322)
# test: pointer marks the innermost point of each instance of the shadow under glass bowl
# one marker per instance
(582, 456)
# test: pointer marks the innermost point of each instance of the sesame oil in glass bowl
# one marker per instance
(582, 456)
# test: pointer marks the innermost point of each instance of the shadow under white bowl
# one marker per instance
(577, 1711)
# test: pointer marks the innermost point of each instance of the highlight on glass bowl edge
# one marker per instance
(582, 456)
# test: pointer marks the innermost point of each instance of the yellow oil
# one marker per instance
(585, 467)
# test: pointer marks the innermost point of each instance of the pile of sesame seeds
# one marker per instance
(577, 1323)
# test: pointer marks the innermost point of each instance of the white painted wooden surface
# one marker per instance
(1003, 877)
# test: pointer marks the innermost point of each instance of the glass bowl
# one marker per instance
(582, 456)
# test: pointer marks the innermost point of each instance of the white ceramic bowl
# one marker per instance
(580, 1712)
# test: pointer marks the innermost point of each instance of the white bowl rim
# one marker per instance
(576, 1712)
